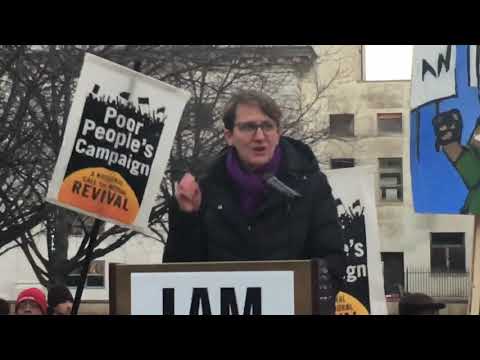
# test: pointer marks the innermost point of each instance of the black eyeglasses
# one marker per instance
(251, 128)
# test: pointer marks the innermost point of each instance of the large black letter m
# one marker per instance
(442, 61)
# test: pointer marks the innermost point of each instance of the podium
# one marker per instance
(300, 287)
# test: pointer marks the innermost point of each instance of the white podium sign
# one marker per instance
(215, 293)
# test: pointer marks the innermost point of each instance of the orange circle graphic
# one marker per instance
(347, 304)
(100, 191)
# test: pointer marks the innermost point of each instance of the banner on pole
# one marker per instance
(116, 145)
(364, 292)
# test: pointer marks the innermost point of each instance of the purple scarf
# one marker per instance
(251, 184)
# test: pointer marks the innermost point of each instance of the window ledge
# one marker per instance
(390, 203)
(390, 135)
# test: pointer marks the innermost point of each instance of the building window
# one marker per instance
(342, 163)
(95, 276)
(389, 124)
(447, 252)
(393, 273)
(79, 223)
(391, 179)
(341, 125)
(201, 114)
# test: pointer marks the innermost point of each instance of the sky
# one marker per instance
(388, 62)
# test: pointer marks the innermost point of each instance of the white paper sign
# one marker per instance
(253, 292)
(364, 291)
(433, 76)
(116, 145)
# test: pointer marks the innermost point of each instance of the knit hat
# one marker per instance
(412, 304)
(35, 295)
(59, 294)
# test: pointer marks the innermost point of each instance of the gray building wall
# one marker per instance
(400, 228)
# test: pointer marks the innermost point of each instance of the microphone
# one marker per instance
(278, 185)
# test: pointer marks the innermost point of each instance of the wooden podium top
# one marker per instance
(303, 273)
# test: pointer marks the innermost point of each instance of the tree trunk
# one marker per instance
(60, 248)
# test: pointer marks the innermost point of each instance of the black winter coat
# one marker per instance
(283, 228)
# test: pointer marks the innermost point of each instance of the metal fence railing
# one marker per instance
(438, 284)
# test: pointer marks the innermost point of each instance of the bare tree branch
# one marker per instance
(36, 90)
